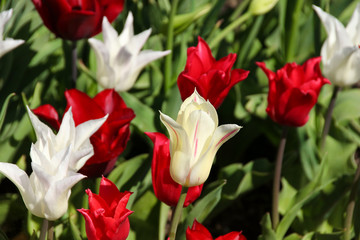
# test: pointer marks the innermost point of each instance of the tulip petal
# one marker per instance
(21, 181)
(353, 27)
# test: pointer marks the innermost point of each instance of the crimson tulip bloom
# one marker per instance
(111, 139)
(165, 188)
(212, 79)
(293, 91)
(199, 232)
(107, 216)
(74, 20)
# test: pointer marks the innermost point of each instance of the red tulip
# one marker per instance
(293, 91)
(107, 216)
(165, 188)
(199, 232)
(212, 79)
(76, 19)
(110, 140)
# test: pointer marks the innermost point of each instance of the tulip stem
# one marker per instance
(229, 28)
(328, 117)
(351, 204)
(47, 227)
(177, 214)
(73, 62)
(277, 177)
(169, 46)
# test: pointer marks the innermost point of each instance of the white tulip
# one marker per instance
(55, 162)
(8, 44)
(195, 137)
(340, 52)
(119, 59)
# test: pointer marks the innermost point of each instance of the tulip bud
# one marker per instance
(260, 7)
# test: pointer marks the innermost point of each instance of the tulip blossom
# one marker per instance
(111, 139)
(340, 52)
(74, 20)
(107, 216)
(195, 138)
(165, 188)
(199, 232)
(293, 91)
(55, 162)
(7, 44)
(212, 79)
(119, 59)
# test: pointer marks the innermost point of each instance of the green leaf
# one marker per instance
(126, 170)
(203, 207)
(145, 116)
(347, 105)
(4, 109)
(266, 229)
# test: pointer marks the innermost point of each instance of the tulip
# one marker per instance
(293, 91)
(111, 139)
(8, 44)
(199, 232)
(55, 162)
(212, 79)
(107, 216)
(74, 20)
(194, 140)
(165, 188)
(340, 52)
(119, 59)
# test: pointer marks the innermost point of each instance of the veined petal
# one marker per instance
(201, 170)
(178, 136)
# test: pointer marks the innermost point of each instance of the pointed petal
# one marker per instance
(353, 27)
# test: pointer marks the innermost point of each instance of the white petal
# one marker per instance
(128, 31)
(57, 197)
(180, 167)
(42, 131)
(353, 27)
(21, 181)
(9, 44)
(147, 56)
(109, 35)
(138, 41)
(66, 133)
(4, 18)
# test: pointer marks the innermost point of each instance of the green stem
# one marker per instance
(351, 204)
(177, 214)
(328, 118)
(50, 230)
(277, 177)
(44, 228)
(47, 228)
(73, 62)
(169, 46)
(229, 29)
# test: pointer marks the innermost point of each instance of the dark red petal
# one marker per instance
(112, 8)
(48, 114)
(232, 236)
(204, 52)
(83, 107)
(109, 100)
